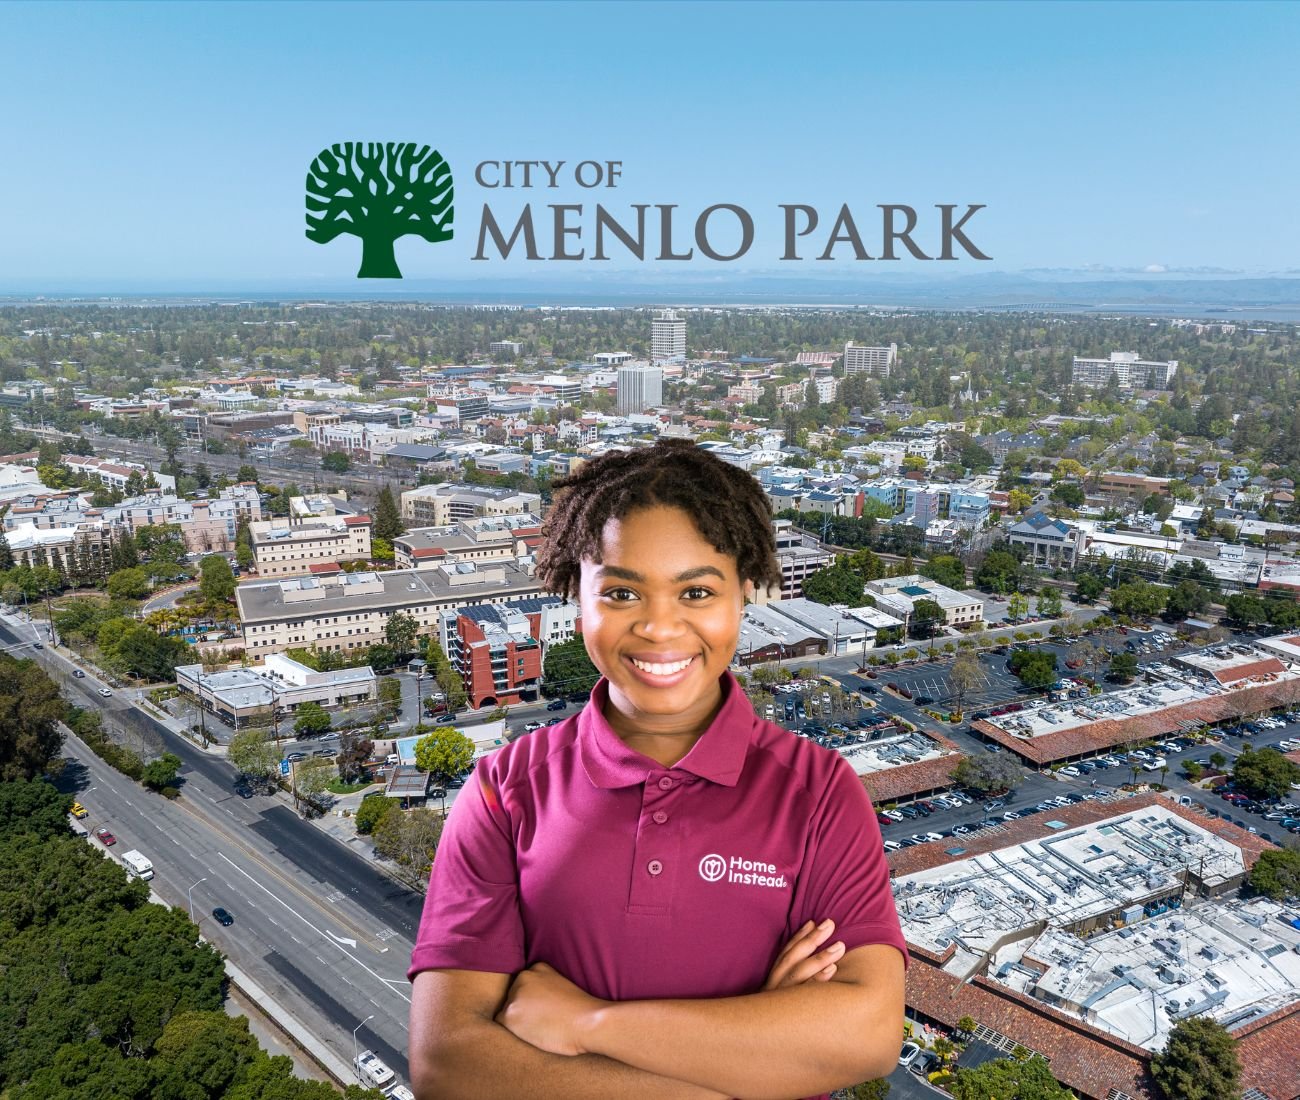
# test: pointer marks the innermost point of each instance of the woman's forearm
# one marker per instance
(481, 1060)
(774, 1045)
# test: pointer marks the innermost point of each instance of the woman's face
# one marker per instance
(660, 619)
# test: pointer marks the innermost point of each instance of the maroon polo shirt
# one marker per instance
(638, 881)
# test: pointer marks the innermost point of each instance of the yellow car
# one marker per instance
(78, 810)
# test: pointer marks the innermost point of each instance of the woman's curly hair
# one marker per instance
(726, 504)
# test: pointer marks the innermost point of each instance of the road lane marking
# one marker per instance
(320, 932)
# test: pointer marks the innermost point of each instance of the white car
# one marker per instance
(893, 815)
(1073, 773)
(106, 693)
(908, 1054)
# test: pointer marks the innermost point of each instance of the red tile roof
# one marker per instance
(1251, 668)
(891, 784)
(1067, 743)
(325, 567)
(356, 521)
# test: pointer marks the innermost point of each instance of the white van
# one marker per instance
(138, 865)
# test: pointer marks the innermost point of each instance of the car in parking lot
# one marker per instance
(295, 756)
(327, 754)
(105, 838)
(222, 917)
(908, 1054)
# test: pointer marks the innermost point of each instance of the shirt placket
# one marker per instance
(656, 860)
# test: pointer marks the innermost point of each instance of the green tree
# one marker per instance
(989, 772)
(444, 753)
(834, 584)
(373, 809)
(964, 676)
(1186, 599)
(254, 754)
(310, 720)
(926, 616)
(1088, 586)
(1049, 603)
(867, 1090)
(567, 669)
(30, 711)
(1017, 606)
(947, 569)
(247, 473)
(1036, 668)
(1007, 1078)
(161, 773)
(216, 581)
(1138, 599)
(355, 750)
(388, 523)
(1123, 667)
(1277, 873)
(1265, 773)
(400, 632)
(1068, 493)
(1199, 1062)
(409, 838)
(390, 696)
(336, 462)
(128, 584)
(999, 572)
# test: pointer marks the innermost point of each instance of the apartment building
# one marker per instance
(345, 611)
(282, 550)
(498, 648)
(115, 475)
(1129, 371)
(484, 539)
(444, 505)
(867, 360)
(799, 556)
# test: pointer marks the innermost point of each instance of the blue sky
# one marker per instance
(158, 143)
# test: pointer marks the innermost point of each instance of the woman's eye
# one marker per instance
(698, 593)
(619, 595)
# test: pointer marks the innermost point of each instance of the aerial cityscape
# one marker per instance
(604, 550)
(269, 596)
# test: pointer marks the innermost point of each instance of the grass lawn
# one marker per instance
(337, 786)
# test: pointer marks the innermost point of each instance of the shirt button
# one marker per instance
(665, 784)
(654, 867)
(659, 817)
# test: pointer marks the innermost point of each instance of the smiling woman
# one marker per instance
(664, 895)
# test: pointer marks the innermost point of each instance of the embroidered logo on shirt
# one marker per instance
(743, 872)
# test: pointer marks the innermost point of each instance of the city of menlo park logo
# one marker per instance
(744, 872)
(380, 193)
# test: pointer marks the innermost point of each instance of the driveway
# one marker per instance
(165, 600)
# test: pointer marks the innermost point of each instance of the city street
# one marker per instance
(325, 932)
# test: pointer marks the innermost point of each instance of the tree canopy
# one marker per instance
(30, 711)
(988, 772)
(567, 669)
(1004, 1078)
(1199, 1062)
(1277, 873)
(444, 753)
(1264, 773)
(1036, 668)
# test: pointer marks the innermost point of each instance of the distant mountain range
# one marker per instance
(1047, 290)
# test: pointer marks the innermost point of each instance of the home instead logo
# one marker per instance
(379, 193)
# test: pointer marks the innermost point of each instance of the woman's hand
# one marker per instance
(804, 959)
(546, 1010)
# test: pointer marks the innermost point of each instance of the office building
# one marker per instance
(668, 338)
(639, 388)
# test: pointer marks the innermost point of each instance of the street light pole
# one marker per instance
(189, 895)
(356, 1050)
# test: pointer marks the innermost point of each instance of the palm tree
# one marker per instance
(1134, 770)
(1164, 771)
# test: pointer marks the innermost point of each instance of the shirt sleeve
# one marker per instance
(845, 876)
(471, 917)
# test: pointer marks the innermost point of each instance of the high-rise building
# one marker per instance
(668, 338)
(639, 388)
(1130, 372)
(864, 360)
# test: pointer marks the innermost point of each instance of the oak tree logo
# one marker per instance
(379, 192)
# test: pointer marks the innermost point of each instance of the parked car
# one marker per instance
(106, 838)
(78, 810)
(557, 704)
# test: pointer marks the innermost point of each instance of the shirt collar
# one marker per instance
(718, 755)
